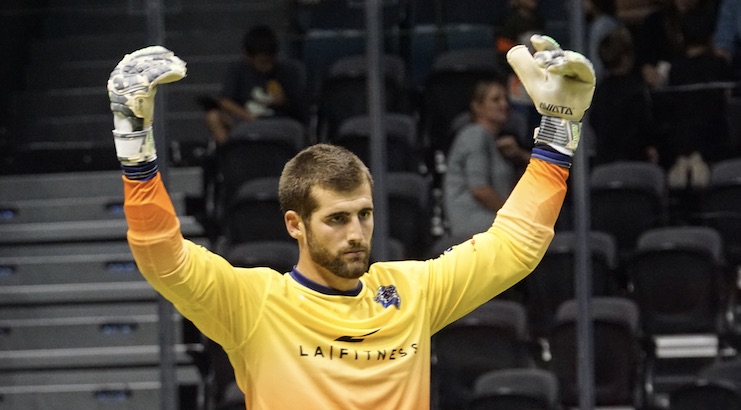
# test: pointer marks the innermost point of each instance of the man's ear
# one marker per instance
(294, 225)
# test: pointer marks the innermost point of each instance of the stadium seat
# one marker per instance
(254, 214)
(344, 92)
(409, 211)
(617, 352)
(278, 255)
(403, 151)
(553, 280)
(628, 198)
(492, 337)
(720, 205)
(447, 92)
(516, 389)
(255, 149)
(679, 282)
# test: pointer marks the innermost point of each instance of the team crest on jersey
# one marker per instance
(388, 296)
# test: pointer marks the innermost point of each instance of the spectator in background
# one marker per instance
(620, 115)
(260, 85)
(483, 161)
(727, 35)
(602, 19)
(660, 40)
(700, 133)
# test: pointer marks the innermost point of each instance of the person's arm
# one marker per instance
(487, 196)
(291, 77)
(203, 286)
(199, 283)
(233, 108)
(561, 85)
(153, 226)
(493, 261)
(512, 151)
(474, 146)
(232, 93)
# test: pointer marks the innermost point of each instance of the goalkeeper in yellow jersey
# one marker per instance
(336, 333)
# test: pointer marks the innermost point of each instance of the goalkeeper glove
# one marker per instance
(131, 89)
(561, 84)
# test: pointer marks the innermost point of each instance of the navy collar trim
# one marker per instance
(295, 274)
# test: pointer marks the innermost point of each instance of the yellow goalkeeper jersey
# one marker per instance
(295, 344)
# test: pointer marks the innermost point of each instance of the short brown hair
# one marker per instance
(320, 165)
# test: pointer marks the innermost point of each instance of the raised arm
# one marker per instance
(149, 212)
(561, 84)
(203, 286)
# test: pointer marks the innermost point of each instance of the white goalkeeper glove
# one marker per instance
(131, 89)
(561, 84)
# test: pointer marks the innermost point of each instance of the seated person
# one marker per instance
(482, 162)
(260, 85)
(698, 109)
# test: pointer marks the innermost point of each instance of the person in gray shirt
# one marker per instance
(483, 161)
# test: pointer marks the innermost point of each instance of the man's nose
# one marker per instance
(355, 230)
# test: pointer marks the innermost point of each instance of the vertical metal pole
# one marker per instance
(168, 375)
(583, 276)
(376, 99)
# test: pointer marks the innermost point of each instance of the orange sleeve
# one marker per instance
(533, 208)
(540, 193)
(478, 269)
(203, 286)
(154, 229)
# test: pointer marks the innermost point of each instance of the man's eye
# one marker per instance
(337, 219)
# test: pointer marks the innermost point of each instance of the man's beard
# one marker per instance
(335, 263)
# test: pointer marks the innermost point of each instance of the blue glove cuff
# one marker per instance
(140, 172)
(548, 154)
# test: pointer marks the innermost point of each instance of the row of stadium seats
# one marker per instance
(80, 326)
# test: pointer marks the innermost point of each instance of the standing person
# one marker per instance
(700, 112)
(620, 114)
(260, 85)
(602, 20)
(659, 38)
(482, 162)
(336, 333)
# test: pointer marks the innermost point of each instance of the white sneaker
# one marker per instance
(699, 171)
(678, 174)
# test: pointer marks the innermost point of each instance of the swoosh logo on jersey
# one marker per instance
(354, 339)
